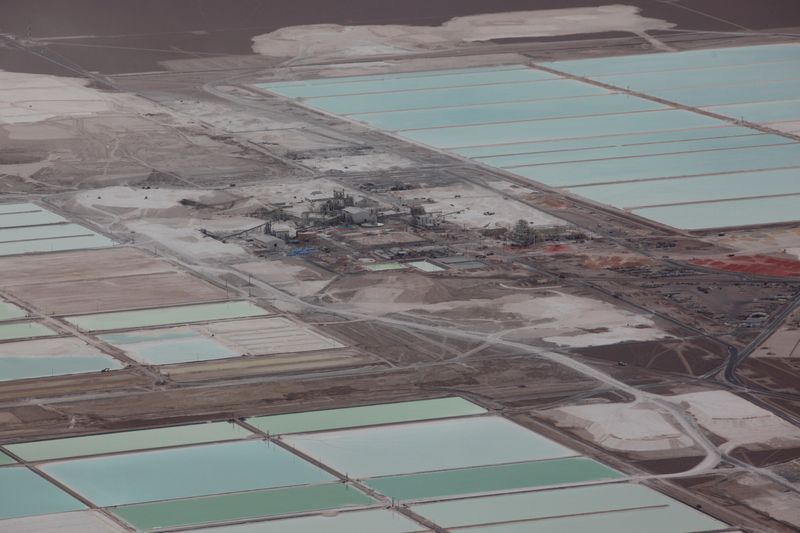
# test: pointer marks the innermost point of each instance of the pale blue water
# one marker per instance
(566, 138)
(541, 506)
(393, 76)
(380, 84)
(169, 347)
(723, 143)
(723, 214)
(505, 112)
(18, 208)
(658, 520)
(42, 232)
(706, 77)
(426, 446)
(9, 311)
(37, 366)
(595, 126)
(694, 59)
(369, 521)
(658, 166)
(54, 245)
(680, 190)
(733, 94)
(25, 493)
(11, 219)
(185, 472)
(433, 98)
(567, 145)
(762, 111)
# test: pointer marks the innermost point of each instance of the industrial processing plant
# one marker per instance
(470, 267)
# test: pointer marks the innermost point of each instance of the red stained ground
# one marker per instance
(753, 264)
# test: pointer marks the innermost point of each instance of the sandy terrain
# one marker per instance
(785, 342)
(359, 163)
(553, 316)
(738, 421)
(319, 41)
(770, 499)
(117, 293)
(298, 195)
(80, 265)
(28, 98)
(291, 275)
(774, 240)
(469, 204)
(183, 236)
(623, 426)
(60, 346)
(147, 200)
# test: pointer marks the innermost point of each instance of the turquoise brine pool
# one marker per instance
(161, 347)
(55, 245)
(166, 315)
(237, 506)
(24, 330)
(463, 79)
(725, 214)
(492, 478)
(365, 415)
(691, 60)
(702, 188)
(562, 132)
(9, 311)
(426, 446)
(39, 366)
(506, 112)
(185, 472)
(369, 521)
(142, 439)
(25, 493)
(634, 507)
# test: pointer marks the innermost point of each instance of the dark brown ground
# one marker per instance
(117, 36)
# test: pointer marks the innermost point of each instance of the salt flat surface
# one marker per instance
(627, 427)
(477, 207)
(739, 421)
(73, 522)
(318, 41)
(27, 98)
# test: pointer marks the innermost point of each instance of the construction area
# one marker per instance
(409, 269)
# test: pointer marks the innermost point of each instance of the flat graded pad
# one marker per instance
(118, 293)
(9, 311)
(72, 522)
